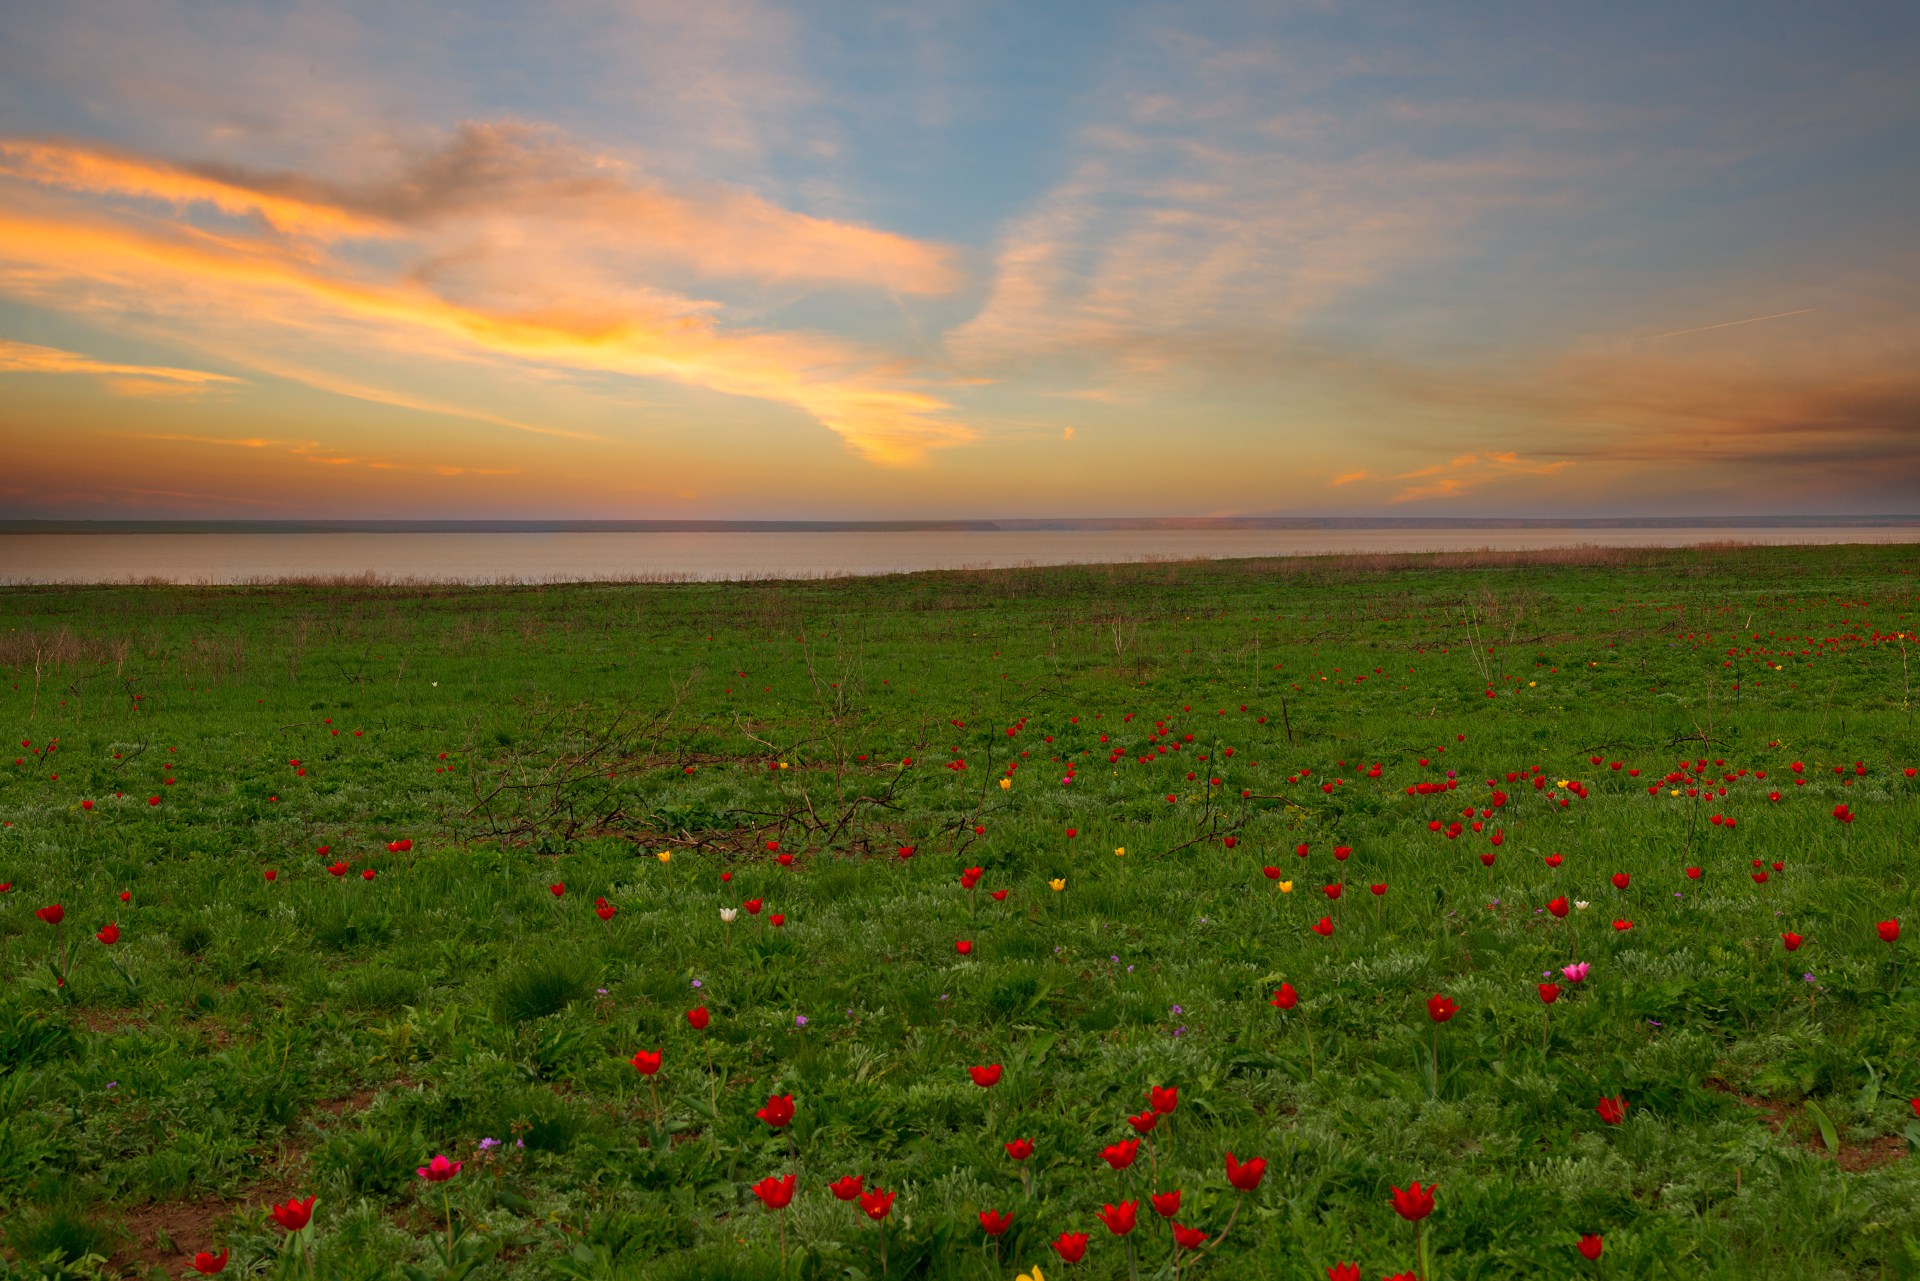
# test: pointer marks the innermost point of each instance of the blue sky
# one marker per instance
(751, 259)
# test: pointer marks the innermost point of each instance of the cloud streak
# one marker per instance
(124, 380)
(516, 235)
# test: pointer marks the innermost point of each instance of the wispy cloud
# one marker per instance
(1728, 324)
(526, 249)
(123, 380)
(1468, 472)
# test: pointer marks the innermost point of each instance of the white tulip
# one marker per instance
(728, 913)
(1579, 904)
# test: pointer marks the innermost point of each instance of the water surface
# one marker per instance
(577, 557)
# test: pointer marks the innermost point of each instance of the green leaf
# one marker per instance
(1828, 1135)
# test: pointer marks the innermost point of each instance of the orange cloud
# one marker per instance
(1468, 472)
(124, 380)
(497, 287)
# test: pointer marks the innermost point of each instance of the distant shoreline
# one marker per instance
(1066, 523)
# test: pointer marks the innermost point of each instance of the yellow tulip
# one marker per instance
(1031, 1276)
(1058, 884)
(1005, 784)
(1286, 887)
(783, 764)
(665, 856)
(1121, 852)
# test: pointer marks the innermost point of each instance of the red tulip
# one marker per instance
(647, 1064)
(1341, 852)
(998, 896)
(1344, 1272)
(559, 889)
(985, 1077)
(1020, 1149)
(779, 1110)
(1165, 1100)
(1333, 891)
(438, 1170)
(1612, 1111)
(1231, 841)
(1119, 1219)
(1301, 851)
(1144, 1123)
(272, 875)
(1499, 837)
(367, 875)
(339, 869)
(993, 1223)
(1273, 873)
(776, 920)
(1246, 1176)
(699, 1018)
(1324, 929)
(294, 1215)
(208, 1264)
(1590, 1247)
(605, 911)
(1071, 1247)
(845, 1189)
(1120, 1155)
(1285, 998)
(53, 914)
(1693, 874)
(1554, 860)
(1415, 1203)
(1188, 1238)
(753, 906)
(1165, 1204)
(1441, 1008)
(964, 947)
(774, 1193)
(1549, 993)
(1558, 907)
(1889, 930)
(1486, 860)
(1620, 880)
(1073, 831)
(126, 896)
(971, 877)
(1378, 889)
(110, 935)
(1623, 926)
(877, 1204)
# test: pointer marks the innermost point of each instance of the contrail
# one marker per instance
(1725, 324)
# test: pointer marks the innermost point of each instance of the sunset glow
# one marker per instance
(789, 261)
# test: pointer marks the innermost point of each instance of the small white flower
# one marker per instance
(728, 913)
(1581, 904)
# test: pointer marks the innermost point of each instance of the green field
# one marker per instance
(1480, 734)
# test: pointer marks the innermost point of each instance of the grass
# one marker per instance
(659, 746)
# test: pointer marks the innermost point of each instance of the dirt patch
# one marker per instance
(355, 1102)
(167, 1234)
(1792, 1118)
(1886, 1148)
(105, 1022)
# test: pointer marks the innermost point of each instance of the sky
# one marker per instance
(756, 260)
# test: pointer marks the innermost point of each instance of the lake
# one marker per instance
(564, 557)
